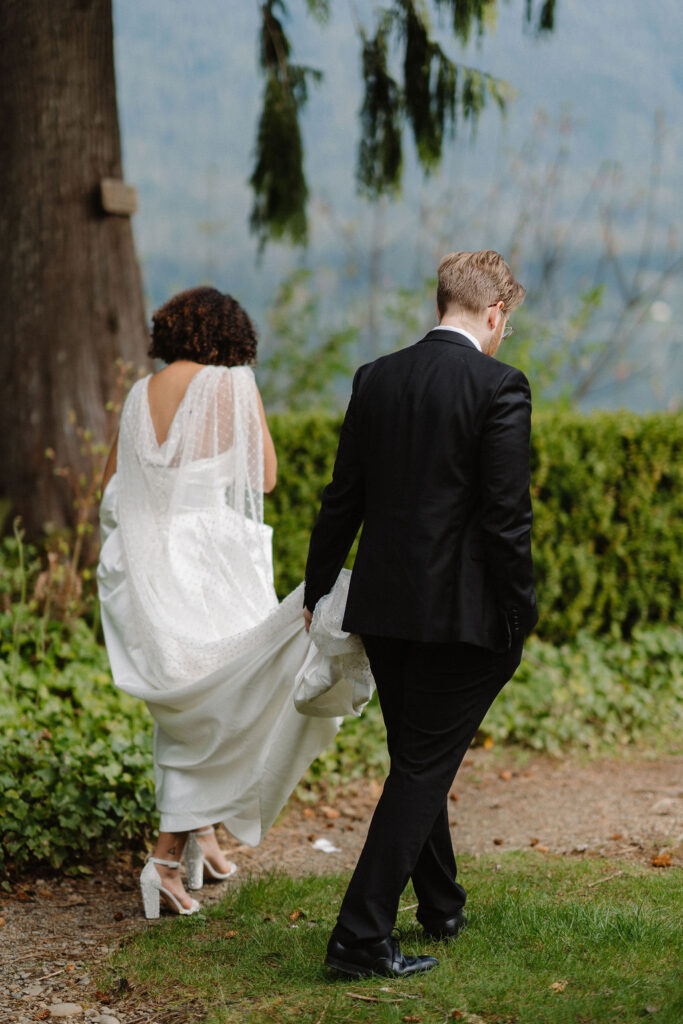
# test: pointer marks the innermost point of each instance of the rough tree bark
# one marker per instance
(70, 288)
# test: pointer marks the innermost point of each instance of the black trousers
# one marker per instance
(433, 699)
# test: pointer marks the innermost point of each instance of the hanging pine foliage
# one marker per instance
(379, 152)
(430, 89)
(436, 90)
(544, 21)
(426, 90)
(278, 180)
(465, 14)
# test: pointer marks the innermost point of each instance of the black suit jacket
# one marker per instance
(433, 459)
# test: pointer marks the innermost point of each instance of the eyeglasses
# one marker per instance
(509, 329)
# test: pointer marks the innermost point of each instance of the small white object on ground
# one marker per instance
(326, 846)
(66, 1010)
(664, 806)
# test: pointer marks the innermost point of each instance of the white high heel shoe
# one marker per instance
(197, 863)
(153, 889)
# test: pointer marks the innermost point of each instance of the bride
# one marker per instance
(190, 616)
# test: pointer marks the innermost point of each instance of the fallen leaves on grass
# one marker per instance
(505, 775)
(662, 860)
(541, 848)
(329, 812)
(535, 841)
(559, 986)
(295, 915)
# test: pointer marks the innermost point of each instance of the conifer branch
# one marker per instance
(432, 94)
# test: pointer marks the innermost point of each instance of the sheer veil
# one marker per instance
(243, 698)
(192, 596)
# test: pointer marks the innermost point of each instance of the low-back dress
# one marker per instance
(190, 616)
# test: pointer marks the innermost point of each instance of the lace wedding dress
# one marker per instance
(242, 697)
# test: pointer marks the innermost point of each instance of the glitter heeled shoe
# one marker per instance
(197, 864)
(153, 890)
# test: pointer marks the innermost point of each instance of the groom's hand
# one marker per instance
(308, 618)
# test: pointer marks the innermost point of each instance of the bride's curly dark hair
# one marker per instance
(206, 326)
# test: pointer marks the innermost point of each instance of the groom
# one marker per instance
(433, 460)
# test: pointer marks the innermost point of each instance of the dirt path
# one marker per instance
(54, 931)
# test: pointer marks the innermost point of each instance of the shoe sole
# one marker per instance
(350, 970)
(356, 971)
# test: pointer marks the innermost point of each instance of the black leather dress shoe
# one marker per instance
(446, 928)
(383, 958)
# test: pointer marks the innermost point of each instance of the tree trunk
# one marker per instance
(71, 296)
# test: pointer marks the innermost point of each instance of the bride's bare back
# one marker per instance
(166, 391)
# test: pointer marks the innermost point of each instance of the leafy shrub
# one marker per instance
(595, 693)
(608, 504)
(75, 754)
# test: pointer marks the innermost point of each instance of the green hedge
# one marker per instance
(608, 503)
(76, 769)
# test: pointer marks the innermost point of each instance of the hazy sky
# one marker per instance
(189, 97)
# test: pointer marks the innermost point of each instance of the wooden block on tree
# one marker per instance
(117, 197)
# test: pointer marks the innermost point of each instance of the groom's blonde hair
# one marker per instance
(471, 281)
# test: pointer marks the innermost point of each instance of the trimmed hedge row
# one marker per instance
(608, 504)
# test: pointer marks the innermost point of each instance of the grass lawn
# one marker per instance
(551, 940)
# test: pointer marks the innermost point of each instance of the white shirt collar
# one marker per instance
(460, 330)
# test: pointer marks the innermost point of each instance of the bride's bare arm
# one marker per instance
(269, 456)
(110, 467)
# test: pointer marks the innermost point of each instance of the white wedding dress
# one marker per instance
(243, 699)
